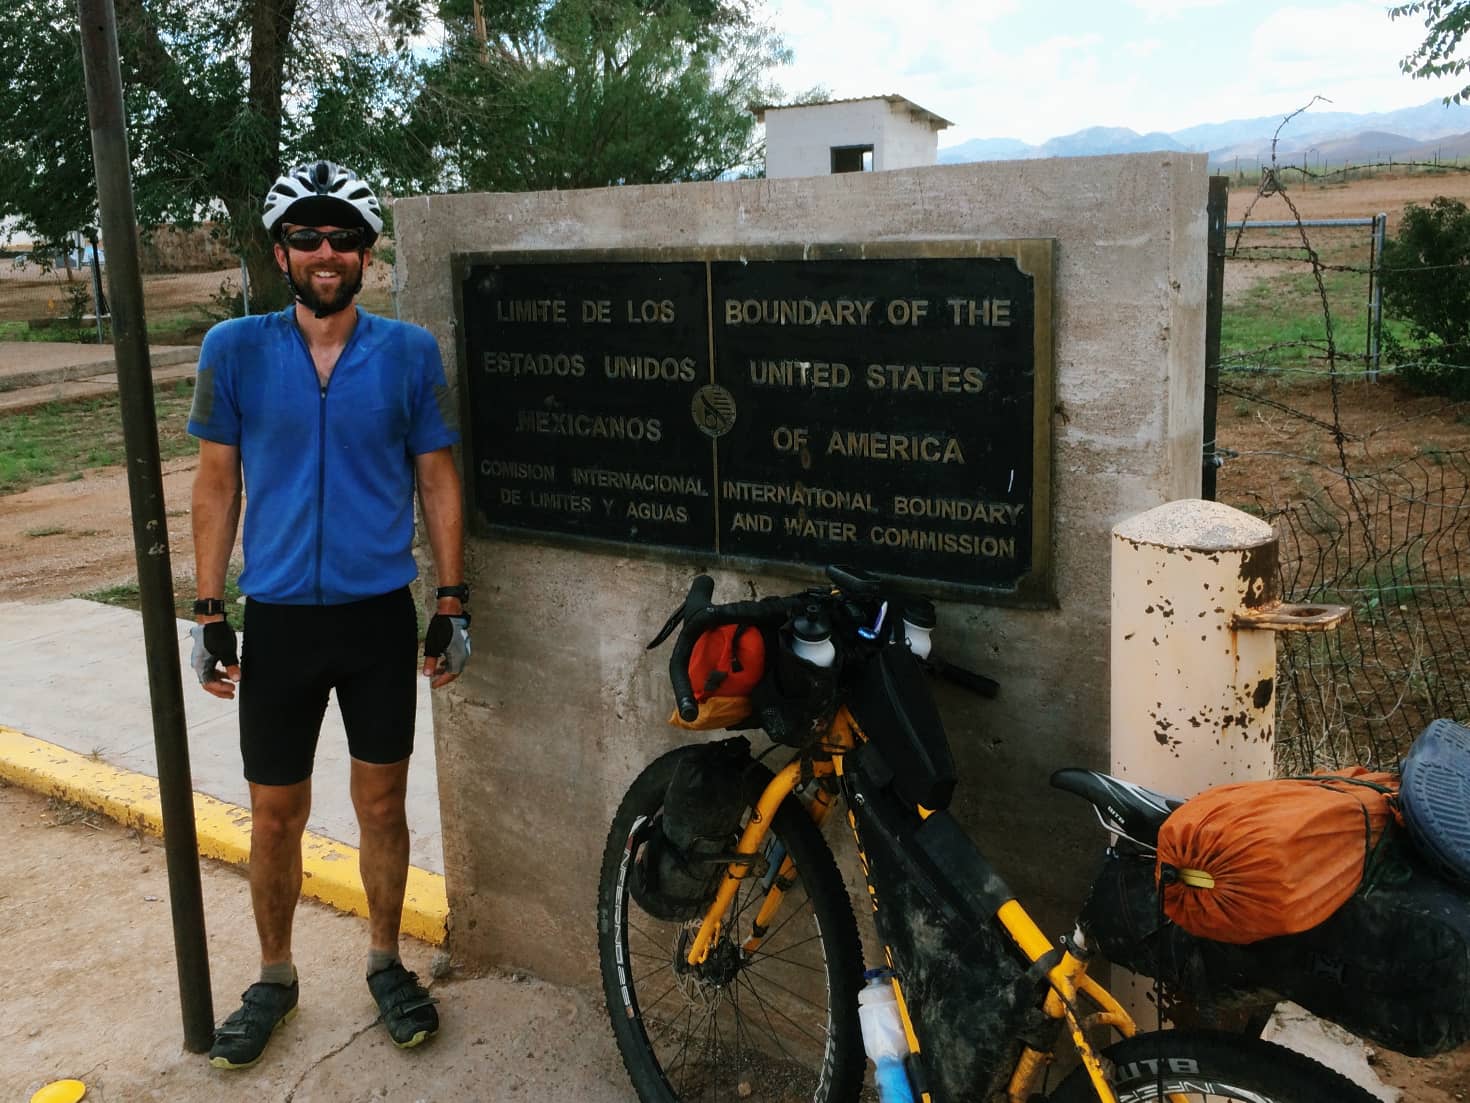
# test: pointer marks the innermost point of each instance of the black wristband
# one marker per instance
(460, 591)
(209, 607)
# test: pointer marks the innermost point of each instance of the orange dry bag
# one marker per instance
(1260, 859)
(724, 667)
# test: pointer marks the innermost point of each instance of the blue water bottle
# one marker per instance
(884, 1040)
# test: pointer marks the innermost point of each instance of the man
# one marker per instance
(326, 416)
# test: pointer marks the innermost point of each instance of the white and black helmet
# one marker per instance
(323, 194)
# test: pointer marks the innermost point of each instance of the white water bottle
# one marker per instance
(918, 622)
(811, 637)
(884, 1040)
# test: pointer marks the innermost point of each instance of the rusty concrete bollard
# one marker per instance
(1195, 608)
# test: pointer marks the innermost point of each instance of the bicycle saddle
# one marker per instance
(1124, 808)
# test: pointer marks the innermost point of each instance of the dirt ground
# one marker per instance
(1355, 199)
(66, 538)
(93, 991)
(26, 292)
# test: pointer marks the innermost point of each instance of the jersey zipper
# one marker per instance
(321, 447)
(321, 478)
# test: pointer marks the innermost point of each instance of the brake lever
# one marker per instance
(676, 618)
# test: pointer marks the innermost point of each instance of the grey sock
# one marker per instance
(378, 960)
(282, 973)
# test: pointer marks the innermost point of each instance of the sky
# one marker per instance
(1039, 69)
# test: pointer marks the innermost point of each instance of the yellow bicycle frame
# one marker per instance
(1068, 979)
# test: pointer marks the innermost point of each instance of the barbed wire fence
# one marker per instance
(1367, 486)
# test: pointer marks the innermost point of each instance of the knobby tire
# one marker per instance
(1219, 1068)
(784, 1027)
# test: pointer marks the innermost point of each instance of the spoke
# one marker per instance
(767, 1008)
(762, 960)
(633, 927)
(644, 1008)
(770, 1026)
(780, 955)
(792, 993)
(712, 1050)
(683, 1053)
(662, 959)
(797, 907)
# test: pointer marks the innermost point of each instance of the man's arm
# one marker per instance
(215, 517)
(443, 500)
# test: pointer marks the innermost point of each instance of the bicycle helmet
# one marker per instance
(323, 194)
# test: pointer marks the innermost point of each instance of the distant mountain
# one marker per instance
(1325, 135)
(1106, 139)
(987, 149)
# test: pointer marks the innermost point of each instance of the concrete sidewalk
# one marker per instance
(75, 698)
(33, 373)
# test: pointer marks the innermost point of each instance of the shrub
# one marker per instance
(1426, 283)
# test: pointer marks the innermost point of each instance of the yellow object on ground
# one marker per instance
(60, 1091)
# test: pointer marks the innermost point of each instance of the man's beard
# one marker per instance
(341, 299)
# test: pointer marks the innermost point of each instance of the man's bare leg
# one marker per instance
(278, 815)
(378, 795)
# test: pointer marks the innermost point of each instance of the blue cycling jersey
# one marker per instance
(329, 477)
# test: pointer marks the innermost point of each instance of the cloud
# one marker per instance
(1161, 10)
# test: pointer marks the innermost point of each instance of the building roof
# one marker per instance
(919, 114)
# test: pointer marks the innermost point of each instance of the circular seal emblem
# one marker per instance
(713, 409)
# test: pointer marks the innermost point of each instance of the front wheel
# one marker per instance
(1200, 1066)
(774, 1025)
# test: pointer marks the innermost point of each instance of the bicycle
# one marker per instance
(748, 989)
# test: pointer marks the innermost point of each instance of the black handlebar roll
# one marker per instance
(700, 592)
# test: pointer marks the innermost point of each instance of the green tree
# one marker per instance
(1446, 22)
(1426, 283)
(412, 94)
(40, 129)
(591, 93)
(218, 95)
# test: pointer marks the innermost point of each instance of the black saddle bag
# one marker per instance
(1392, 965)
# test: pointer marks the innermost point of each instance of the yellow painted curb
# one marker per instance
(329, 868)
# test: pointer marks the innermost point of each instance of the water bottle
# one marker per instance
(812, 637)
(883, 1038)
(918, 622)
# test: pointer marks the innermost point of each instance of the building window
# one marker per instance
(852, 158)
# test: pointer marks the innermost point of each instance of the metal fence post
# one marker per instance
(244, 285)
(1216, 214)
(1375, 301)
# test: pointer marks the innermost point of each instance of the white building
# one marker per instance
(859, 135)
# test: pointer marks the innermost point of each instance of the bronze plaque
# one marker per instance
(890, 410)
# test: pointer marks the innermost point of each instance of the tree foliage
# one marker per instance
(1426, 282)
(222, 94)
(591, 93)
(1446, 22)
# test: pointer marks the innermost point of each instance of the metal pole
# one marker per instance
(1375, 305)
(150, 524)
(244, 285)
(97, 304)
(1216, 213)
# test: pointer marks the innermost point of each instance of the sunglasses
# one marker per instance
(341, 241)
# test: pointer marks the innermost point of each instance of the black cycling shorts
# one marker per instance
(294, 655)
